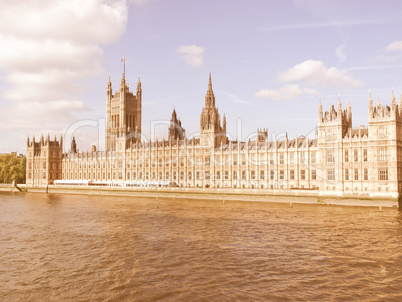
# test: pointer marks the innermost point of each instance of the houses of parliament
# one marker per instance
(340, 160)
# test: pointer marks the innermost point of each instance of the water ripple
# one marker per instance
(76, 248)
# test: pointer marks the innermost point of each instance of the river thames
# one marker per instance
(103, 248)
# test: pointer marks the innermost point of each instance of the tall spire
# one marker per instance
(139, 86)
(370, 106)
(124, 64)
(109, 85)
(392, 97)
(379, 102)
(320, 111)
(210, 98)
(400, 105)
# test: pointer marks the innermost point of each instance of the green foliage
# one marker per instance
(12, 168)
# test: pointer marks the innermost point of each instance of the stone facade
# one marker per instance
(340, 160)
(44, 161)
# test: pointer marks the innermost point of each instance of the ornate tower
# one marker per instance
(211, 132)
(384, 128)
(43, 161)
(176, 131)
(332, 127)
(123, 115)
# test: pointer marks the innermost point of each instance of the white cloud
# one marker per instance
(47, 51)
(285, 93)
(340, 53)
(316, 73)
(193, 55)
(394, 46)
(386, 58)
(73, 20)
(140, 2)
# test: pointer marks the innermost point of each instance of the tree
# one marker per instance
(12, 167)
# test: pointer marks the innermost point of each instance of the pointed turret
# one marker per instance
(393, 104)
(339, 108)
(73, 146)
(123, 83)
(349, 113)
(109, 85)
(210, 98)
(400, 105)
(176, 131)
(319, 112)
(139, 89)
(370, 106)
(28, 141)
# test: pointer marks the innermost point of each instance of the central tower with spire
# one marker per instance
(123, 115)
(211, 132)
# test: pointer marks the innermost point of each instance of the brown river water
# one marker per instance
(104, 248)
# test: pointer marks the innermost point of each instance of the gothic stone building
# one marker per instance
(340, 160)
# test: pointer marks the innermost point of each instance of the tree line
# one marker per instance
(12, 167)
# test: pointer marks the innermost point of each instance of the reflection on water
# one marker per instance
(56, 247)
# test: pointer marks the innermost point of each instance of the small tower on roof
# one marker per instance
(176, 131)
(319, 112)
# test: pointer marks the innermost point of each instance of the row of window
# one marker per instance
(355, 176)
(225, 175)
(244, 160)
(37, 165)
(382, 174)
(51, 175)
(354, 157)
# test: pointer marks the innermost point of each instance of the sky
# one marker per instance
(271, 62)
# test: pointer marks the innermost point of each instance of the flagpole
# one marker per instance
(124, 67)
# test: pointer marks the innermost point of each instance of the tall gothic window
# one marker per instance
(331, 174)
(330, 156)
(383, 174)
(382, 153)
